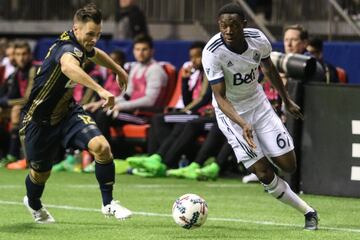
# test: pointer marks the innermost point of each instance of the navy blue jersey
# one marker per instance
(52, 94)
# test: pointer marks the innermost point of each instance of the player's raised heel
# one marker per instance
(40, 216)
(116, 210)
(311, 221)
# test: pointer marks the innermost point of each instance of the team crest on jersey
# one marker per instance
(78, 52)
(70, 84)
(256, 56)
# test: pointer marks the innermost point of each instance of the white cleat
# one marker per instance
(250, 178)
(116, 210)
(40, 216)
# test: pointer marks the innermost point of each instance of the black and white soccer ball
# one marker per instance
(190, 211)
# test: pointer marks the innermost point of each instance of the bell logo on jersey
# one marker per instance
(248, 78)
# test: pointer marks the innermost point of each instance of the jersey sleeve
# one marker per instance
(71, 49)
(212, 67)
(266, 46)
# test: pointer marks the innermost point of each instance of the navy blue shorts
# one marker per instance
(43, 142)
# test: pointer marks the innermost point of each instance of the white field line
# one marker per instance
(143, 186)
(218, 219)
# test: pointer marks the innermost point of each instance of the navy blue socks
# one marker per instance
(34, 192)
(105, 174)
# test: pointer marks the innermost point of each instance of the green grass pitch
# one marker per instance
(236, 211)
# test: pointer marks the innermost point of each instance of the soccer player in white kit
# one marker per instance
(231, 60)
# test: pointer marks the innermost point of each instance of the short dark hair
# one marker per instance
(22, 44)
(232, 8)
(303, 32)
(141, 38)
(197, 44)
(88, 13)
(316, 43)
(119, 53)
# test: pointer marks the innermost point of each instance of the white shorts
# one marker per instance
(270, 135)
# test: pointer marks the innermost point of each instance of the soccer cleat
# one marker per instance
(121, 166)
(142, 172)
(6, 160)
(250, 178)
(136, 161)
(152, 163)
(86, 159)
(210, 171)
(40, 216)
(311, 221)
(174, 172)
(68, 164)
(90, 168)
(147, 167)
(188, 172)
(116, 210)
(18, 165)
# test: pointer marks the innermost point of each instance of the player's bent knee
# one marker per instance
(100, 148)
(286, 162)
(263, 170)
(39, 178)
(265, 176)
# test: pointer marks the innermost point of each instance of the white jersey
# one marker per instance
(239, 71)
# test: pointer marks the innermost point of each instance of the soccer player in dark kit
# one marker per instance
(51, 120)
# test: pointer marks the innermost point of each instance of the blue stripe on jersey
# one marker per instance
(217, 80)
(247, 36)
(251, 34)
(248, 31)
(246, 149)
(216, 47)
(214, 43)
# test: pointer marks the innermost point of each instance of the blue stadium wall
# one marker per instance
(342, 54)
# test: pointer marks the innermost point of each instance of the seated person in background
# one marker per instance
(168, 127)
(17, 90)
(315, 48)
(147, 81)
(7, 59)
(110, 83)
(195, 99)
(83, 95)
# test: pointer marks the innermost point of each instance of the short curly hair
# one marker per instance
(232, 8)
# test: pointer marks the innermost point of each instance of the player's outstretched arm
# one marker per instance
(71, 68)
(101, 58)
(228, 109)
(271, 73)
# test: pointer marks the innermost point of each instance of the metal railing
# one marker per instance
(171, 10)
(49, 9)
(282, 12)
(308, 10)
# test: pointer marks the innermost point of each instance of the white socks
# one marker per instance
(279, 189)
